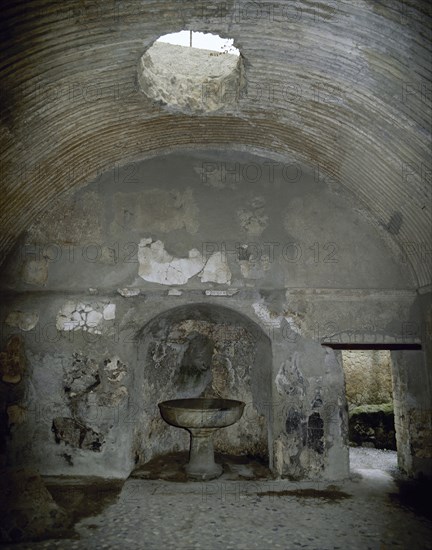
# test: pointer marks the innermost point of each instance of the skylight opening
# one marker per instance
(201, 40)
(192, 72)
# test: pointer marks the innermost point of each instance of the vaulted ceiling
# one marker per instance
(342, 86)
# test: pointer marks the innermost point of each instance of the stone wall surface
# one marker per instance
(302, 204)
(368, 377)
(183, 277)
(369, 392)
(413, 413)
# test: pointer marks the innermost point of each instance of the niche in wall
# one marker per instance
(203, 350)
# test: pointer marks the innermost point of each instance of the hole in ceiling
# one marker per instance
(192, 72)
(201, 40)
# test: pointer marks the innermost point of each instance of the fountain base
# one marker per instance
(201, 417)
(202, 465)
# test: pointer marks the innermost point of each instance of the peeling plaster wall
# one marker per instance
(310, 429)
(303, 380)
(293, 256)
(224, 217)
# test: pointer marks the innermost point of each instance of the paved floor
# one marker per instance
(366, 512)
(362, 458)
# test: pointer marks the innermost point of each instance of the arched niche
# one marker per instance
(202, 350)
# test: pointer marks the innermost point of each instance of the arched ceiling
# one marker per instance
(344, 86)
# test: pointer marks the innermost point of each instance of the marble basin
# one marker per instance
(201, 412)
(201, 417)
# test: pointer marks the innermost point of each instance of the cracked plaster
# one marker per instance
(87, 317)
(158, 266)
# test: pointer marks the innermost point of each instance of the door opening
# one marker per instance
(371, 426)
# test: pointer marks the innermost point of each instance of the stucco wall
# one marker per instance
(259, 236)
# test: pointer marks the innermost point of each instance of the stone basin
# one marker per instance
(201, 417)
(201, 412)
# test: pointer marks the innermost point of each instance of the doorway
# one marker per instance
(369, 389)
(411, 404)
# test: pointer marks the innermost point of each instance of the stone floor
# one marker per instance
(375, 509)
(170, 467)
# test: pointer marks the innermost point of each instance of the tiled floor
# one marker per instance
(369, 511)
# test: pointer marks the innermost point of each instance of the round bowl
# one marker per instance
(201, 412)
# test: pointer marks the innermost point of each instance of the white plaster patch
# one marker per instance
(292, 324)
(174, 292)
(128, 292)
(229, 292)
(22, 320)
(272, 319)
(267, 317)
(76, 317)
(93, 318)
(216, 270)
(64, 321)
(109, 312)
(84, 316)
(157, 266)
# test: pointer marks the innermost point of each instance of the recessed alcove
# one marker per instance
(203, 350)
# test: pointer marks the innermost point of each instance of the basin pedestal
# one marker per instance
(201, 457)
(201, 417)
